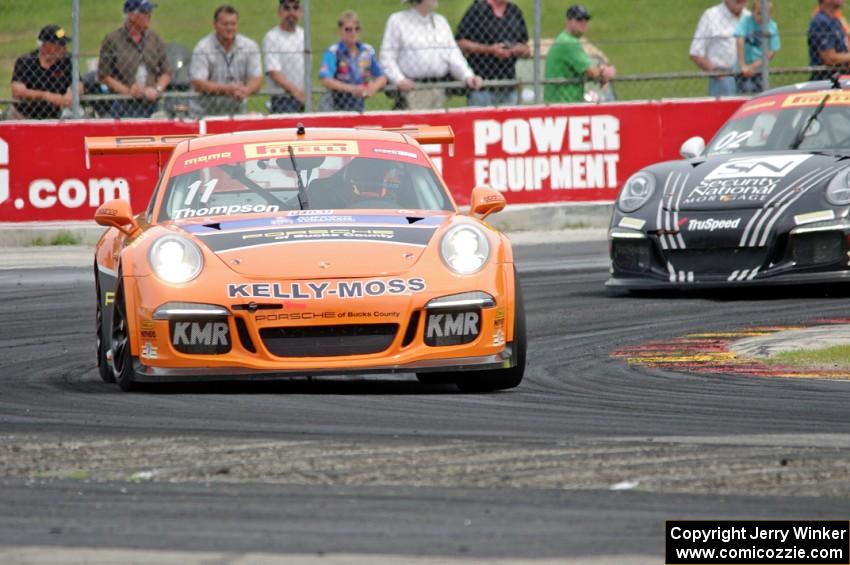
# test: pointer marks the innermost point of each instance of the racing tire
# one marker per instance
(501, 379)
(491, 379)
(122, 356)
(103, 366)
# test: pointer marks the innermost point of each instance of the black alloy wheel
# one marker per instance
(122, 358)
(500, 379)
(103, 366)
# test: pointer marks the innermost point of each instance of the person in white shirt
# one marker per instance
(419, 47)
(226, 67)
(283, 55)
(713, 48)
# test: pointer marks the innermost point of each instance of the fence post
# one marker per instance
(538, 91)
(75, 59)
(765, 44)
(308, 58)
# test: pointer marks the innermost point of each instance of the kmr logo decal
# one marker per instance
(200, 337)
(452, 328)
(752, 167)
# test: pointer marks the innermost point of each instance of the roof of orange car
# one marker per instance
(181, 143)
(289, 134)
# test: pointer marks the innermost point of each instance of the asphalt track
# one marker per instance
(584, 461)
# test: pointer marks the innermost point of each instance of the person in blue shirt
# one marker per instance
(350, 69)
(749, 35)
(827, 40)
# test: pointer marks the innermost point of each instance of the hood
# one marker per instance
(321, 244)
(744, 181)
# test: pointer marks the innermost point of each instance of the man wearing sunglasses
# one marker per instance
(350, 69)
(283, 54)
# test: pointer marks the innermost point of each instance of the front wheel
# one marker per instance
(122, 357)
(500, 379)
(491, 379)
(103, 367)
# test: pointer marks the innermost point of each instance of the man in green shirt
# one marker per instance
(567, 59)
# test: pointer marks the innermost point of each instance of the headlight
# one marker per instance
(838, 191)
(636, 192)
(175, 259)
(465, 249)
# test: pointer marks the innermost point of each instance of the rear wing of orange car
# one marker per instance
(164, 144)
(132, 144)
(423, 134)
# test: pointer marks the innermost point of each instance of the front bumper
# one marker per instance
(148, 374)
(807, 255)
(333, 336)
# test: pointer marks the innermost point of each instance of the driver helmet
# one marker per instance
(372, 179)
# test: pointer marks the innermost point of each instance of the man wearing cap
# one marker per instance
(133, 62)
(419, 47)
(283, 55)
(226, 67)
(41, 81)
(567, 59)
(714, 48)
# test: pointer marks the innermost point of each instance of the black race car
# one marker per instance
(766, 202)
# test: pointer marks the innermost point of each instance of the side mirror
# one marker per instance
(692, 148)
(486, 201)
(117, 214)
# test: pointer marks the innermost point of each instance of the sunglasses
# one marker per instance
(350, 29)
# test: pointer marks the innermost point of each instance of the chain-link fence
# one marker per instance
(131, 58)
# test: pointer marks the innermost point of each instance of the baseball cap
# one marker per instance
(53, 34)
(577, 12)
(138, 6)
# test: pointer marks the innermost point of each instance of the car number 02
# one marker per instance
(732, 140)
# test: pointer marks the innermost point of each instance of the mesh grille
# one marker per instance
(328, 341)
(817, 248)
(719, 261)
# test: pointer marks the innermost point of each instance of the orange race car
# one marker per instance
(280, 253)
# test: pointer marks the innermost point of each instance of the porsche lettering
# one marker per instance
(322, 233)
(300, 316)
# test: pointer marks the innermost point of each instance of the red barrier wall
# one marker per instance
(564, 153)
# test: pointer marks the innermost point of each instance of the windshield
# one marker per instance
(269, 185)
(777, 129)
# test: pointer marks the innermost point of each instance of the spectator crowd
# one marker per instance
(418, 54)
